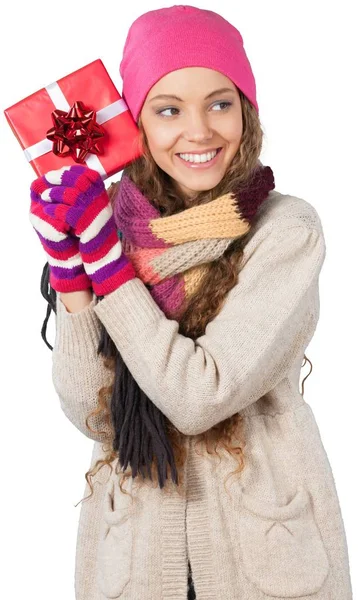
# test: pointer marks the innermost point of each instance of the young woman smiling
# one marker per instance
(185, 297)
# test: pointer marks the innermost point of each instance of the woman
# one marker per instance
(185, 298)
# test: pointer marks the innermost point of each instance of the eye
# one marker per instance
(227, 104)
(161, 112)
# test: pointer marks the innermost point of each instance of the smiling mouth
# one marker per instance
(198, 153)
(201, 165)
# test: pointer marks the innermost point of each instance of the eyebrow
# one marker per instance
(166, 96)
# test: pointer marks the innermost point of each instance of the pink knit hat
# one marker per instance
(163, 40)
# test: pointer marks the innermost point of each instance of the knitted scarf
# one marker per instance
(171, 255)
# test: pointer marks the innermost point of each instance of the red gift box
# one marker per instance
(114, 148)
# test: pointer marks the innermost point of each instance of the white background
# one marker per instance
(304, 58)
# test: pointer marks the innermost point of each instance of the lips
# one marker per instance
(201, 152)
(199, 165)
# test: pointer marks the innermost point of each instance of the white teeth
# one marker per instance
(196, 158)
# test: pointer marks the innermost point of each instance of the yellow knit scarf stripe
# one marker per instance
(219, 218)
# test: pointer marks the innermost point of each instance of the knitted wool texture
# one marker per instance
(170, 255)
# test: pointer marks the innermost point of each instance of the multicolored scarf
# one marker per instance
(171, 255)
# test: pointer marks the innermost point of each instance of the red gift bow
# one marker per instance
(75, 133)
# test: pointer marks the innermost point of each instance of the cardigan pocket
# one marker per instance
(281, 549)
(115, 541)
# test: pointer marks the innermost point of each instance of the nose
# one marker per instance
(198, 129)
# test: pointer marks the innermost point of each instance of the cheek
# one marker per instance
(233, 132)
(231, 128)
(161, 140)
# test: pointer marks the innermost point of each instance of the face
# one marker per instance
(198, 120)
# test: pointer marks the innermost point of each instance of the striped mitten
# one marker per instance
(66, 270)
(79, 194)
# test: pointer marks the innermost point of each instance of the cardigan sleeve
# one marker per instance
(78, 372)
(247, 349)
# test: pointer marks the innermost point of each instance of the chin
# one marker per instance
(207, 183)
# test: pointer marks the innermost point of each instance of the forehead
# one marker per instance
(190, 82)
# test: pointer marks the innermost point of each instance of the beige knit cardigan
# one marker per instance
(278, 531)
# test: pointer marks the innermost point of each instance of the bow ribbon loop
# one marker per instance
(75, 132)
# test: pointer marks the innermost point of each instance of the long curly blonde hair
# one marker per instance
(202, 307)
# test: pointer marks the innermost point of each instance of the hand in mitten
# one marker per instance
(67, 273)
(77, 193)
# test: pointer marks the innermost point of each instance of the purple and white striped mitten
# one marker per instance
(77, 193)
(67, 273)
